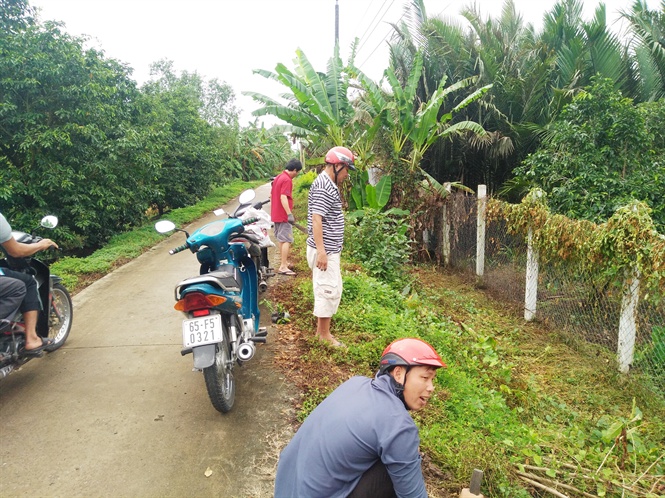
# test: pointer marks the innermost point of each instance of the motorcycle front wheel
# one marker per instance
(61, 313)
(219, 378)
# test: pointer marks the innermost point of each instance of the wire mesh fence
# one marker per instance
(585, 306)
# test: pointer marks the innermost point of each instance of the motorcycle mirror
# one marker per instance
(247, 196)
(164, 226)
(49, 221)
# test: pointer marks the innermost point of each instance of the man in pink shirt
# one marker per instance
(281, 212)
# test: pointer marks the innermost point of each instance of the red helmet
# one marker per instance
(340, 155)
(409, 352)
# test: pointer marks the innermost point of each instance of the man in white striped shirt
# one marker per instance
(325, 227)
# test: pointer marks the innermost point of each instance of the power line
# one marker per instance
(381, 41)
(376, 25)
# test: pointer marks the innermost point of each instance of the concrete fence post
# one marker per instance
(480, 233)
(628, 321)
(531, 290)
(445, 236)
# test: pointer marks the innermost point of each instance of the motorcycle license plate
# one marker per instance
(202, 330)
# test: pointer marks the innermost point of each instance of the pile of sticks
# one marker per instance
(566, 481)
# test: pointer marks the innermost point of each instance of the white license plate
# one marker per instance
(202, 330)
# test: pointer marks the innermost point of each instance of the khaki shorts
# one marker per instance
(283, 232)
(327, 284)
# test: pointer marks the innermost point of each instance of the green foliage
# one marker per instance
(607, 252)
(318, 104)
(379, 243)
(312, 400)
(493, 407)
(68, 140)
(363, 194)
(651, 358)
(79, 140)
(601, 155)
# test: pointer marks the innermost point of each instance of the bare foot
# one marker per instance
(332, 341)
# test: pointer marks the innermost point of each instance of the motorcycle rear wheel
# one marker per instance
(219, 378)
(61, 313)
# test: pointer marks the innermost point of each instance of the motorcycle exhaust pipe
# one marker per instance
(263, 286)
(246, 351)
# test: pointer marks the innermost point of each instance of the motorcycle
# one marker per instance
(54, 319)
(221, 305)
(260, 229)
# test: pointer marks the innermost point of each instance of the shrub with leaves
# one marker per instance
(379, 241)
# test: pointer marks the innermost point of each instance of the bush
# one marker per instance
(379, 242)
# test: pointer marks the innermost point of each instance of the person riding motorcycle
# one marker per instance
(361, 440)
(30, 305)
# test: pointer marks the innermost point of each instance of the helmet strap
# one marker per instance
(399, 387)
(337, 171)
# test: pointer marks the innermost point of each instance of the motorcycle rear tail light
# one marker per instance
(198, 301)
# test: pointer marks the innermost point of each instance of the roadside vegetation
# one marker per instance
(517, 399)
(79, 272)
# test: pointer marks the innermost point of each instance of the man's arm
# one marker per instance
(285, 204)
(20, 250)
(401, 457)
(317, 234)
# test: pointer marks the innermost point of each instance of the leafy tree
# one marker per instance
(260, 152)
(195, 127)
(601, 155)
(15, 15)
(68, 140)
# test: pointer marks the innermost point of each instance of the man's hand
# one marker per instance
(291, 218)
(321, 260)
(47, 244)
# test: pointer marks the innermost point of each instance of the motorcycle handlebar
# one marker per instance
(178, 249)
(259, 205)
(249, 221)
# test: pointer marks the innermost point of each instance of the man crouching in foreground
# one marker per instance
(361, 441)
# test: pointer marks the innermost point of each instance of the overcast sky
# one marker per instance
(227, 39)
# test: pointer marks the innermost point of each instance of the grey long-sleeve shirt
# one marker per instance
(362, 421)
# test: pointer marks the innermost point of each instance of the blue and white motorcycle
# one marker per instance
(221, 305)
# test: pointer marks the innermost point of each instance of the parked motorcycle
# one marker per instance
(55, 318)
(260, 229)
(221, 305)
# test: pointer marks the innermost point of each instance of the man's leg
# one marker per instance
(30, 308)
(284, 249)
(323, 329)
(374, 483)
(12, 292)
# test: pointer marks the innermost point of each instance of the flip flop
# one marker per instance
(287, 272)
(46, 342)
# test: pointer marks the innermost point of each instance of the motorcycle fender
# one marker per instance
(204, 356)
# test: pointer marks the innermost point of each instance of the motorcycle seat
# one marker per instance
(224, 279)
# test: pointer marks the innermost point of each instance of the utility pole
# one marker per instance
(336, 22)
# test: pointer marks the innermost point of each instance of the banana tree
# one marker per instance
(420, 124)
(318, 103)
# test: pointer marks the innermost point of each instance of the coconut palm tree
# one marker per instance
(648, 50)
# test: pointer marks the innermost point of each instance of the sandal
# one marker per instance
(46, 342)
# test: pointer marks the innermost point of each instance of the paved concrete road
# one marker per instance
(118, 411)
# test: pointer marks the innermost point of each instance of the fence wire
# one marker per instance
(579, 305)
